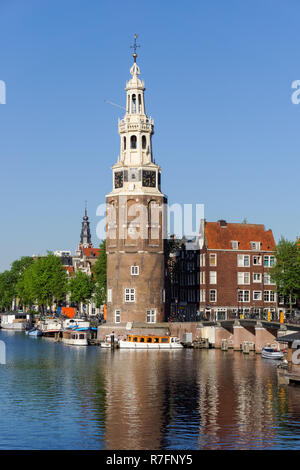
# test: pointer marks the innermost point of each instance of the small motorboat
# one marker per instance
(271, 353)
(34, 332)
(106, 343)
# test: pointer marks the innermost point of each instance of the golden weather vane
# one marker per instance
(134, 47)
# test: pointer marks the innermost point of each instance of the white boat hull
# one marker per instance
(272, 355)
(75, 342)
(132, 345)
(20, 326)
(105, 345)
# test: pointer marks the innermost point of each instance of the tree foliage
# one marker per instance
(286, 271)
(44, 281)
(99, 272)
(81, 287)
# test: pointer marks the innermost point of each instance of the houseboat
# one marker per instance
(76, 337)
(150, 342)
(15, 321)
(50, 327)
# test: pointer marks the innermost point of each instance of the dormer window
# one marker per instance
(255, 245)
(235, 245)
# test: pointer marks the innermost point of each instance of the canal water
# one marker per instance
(54, 396)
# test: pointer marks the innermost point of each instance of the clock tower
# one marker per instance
(136, 218)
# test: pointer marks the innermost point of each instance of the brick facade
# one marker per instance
(234, 264)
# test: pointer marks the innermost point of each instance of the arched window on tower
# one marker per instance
(124, 143)
(140, 104)
(133, 142)
(133, 107)
(144, 141)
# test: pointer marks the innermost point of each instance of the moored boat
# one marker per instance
(271, 353)
(76, 337)
(34, 332)
(49, 327)
(106, 343)
(15, 321)
(150, 342)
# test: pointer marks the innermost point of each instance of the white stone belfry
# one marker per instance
(135, 170)
(135, 128)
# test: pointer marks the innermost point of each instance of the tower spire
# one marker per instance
(134, 47)
(85, 235)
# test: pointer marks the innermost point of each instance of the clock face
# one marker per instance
(149, 178)
(133, 174)
(118, 179)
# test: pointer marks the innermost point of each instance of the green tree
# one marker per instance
(286, 271)
(99, 272)
(81, 288)
(6, 290)
(9, 280)
(45, 281)
(18, 269)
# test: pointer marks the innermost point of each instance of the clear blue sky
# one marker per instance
(218, 80)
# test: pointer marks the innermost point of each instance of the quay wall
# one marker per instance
(235, 334)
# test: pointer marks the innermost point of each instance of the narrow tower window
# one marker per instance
(140, 104)
(133, 142)
(124, 143)
(133, 107)
(144, 142)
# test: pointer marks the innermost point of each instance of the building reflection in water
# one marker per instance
(205, 399)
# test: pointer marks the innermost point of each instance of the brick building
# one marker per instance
(184, 280)
(234, 264)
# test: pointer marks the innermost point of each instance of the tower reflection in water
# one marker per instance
(191, 400)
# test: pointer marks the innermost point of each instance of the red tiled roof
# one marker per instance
(219, 236)
(91, 252)
(70, 269)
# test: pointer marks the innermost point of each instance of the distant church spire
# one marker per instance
(85, 236)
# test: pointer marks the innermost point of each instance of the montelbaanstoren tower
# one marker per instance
(136, 218)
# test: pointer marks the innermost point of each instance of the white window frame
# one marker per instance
(210, 257)
(134, 270)
(129, 295)
(268, 294)
(109, 295)
(243, 292)
(257, 274)
(268, 258)
(242, 277)
(151, 315)
(267, 280)
(235, 244)
(259, 296)
(255, 245)
(213, 277)
(241, 261)
(202, 277)
(210, 292)
(259, 258)
(202, 295)
(117, 315)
